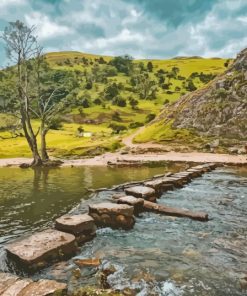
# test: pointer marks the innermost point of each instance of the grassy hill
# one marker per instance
(94, 113)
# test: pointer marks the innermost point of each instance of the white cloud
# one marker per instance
(5, 4)
(46, 28)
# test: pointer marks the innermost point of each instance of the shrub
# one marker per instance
(150, 117)
(135, 124)
(56, 123)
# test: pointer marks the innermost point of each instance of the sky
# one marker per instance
(141, 28)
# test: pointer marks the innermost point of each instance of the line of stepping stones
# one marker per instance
(61, 242)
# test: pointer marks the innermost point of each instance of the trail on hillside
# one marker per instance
(128, 141)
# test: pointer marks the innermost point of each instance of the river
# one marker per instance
(160, 255)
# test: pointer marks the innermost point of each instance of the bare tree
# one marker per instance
(22, 46)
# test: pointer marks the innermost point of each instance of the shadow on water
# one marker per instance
(161, 255)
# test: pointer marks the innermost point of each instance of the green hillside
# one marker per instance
(112, 97)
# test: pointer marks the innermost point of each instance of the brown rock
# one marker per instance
(159, 185)
(76, 224)
(111, 208)
(44, 288)
(45, 246)
(137, 203)
(93, 262)
(6, 281)
(142, 192)
(17, 287)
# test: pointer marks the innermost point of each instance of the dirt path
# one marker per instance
(154, 157)
(128, 141)
(102, 160)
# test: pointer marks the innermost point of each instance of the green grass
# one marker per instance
(66, 143)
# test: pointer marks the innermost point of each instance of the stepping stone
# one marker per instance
(82, 226)
(195, 172)
(137, 203)
(142, 192)
(159, 185)
(6, 281)
(17, 287)
(41, 248)
(112, 215)
(44, 288)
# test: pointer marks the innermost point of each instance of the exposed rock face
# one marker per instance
(220, 109)
(113, 215)
(82, 226)
(42, 248)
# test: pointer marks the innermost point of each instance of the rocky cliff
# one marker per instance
(219, 109)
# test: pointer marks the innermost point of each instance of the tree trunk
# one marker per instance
(44, 154)
(31, 140)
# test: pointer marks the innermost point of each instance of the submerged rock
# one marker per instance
(42, 248)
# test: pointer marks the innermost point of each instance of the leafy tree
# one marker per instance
(111, 91)
(150, 66)
(40, 91)
(123, 64)
(144, 86)
(97, 101)
(119, 101)
(133, 103)
(21, 45)
(175, 70)
(117, 128)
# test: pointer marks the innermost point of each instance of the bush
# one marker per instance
(116, 117)
(97, 102)
(89, 85)
(135, 124)
(56, 123)
(150, 117)
(119, 101)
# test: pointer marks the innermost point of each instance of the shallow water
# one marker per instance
(161, 255)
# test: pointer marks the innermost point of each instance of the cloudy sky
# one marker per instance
(141, 28)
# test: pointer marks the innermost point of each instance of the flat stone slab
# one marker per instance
(44, 288)
(131, 200)
(158, 184)
(42, 248)
(145, 192)
(6, 281)
(111, 208)
(76, 224)
(12, 285)
(137, 203)
(17, 287)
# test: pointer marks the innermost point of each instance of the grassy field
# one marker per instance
(66, 143)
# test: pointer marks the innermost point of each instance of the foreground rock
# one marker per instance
(42, 248)
(11, 285)
(142, 192)
(113, 215)
(154, 207)
(82, 226)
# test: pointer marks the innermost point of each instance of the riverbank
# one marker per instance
(103, 160)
